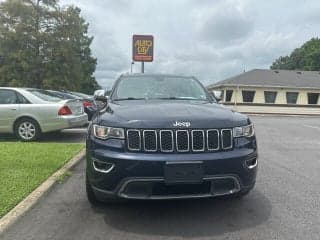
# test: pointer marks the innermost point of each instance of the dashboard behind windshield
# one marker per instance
(159, 87)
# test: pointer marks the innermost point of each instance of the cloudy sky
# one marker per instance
(210, 39)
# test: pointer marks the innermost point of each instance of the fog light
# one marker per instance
(252, 163)
(101, 166)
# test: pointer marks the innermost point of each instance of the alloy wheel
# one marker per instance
(27, 130)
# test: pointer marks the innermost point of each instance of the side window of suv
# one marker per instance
(8, 97)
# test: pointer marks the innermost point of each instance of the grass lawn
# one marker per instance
(24, 166)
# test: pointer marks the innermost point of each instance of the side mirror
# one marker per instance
(100, 101)
(100, 95)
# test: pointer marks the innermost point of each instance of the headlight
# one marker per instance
(244, 131)
(103, 132)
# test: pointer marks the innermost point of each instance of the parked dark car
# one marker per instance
(166, 137)
(82, 95)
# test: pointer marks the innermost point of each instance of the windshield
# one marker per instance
(82, 95)
(45, 95)
(159, 87)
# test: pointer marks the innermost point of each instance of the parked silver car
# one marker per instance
(28, 112)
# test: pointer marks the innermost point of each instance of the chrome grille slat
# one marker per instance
(179, 140)
(133, 141)
(147, 139)
(216, 139)
(194, 143)
(163, 147)
(224, 134)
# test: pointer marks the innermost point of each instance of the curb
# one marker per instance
(282, 115)
(11, 217)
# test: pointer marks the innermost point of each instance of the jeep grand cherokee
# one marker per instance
(166, 137)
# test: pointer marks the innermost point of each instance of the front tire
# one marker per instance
(90, 194)
(27, 130)
(242, 194)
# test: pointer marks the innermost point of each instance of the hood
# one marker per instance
(169, 114)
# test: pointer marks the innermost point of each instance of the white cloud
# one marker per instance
(225, 23)
(210, 39)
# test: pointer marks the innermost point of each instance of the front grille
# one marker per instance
(198, 140)
(150, 140)
(213, 139)
(182, 140)
(226, 138)
(166, 141)
(134, 140)
(195, 140)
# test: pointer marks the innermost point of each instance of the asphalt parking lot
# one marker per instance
(284, 204)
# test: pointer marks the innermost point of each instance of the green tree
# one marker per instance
(307, 57)
(45, 46)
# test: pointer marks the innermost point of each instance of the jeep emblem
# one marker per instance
(182, 124)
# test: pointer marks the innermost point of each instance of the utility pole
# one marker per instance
(38, 64)
(131, 66)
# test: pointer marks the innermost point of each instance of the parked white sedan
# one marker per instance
(28, 112)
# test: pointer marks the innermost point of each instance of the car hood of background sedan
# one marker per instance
(163, 114)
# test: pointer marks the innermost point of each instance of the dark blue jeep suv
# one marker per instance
(165, 137)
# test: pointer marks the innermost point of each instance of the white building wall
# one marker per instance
(302, 106)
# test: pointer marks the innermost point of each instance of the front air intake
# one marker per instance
(226, 139)
(179, 140)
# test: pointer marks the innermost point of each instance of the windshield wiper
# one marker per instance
(181, 98)
(161, 98)
(128, 98)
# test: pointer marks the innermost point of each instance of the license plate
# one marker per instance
(183, 172)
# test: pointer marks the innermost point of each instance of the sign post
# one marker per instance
(142, 49)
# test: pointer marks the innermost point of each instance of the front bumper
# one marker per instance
(156, 188)
(141, 175)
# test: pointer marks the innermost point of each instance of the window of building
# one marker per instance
(292, 97)
(222, 95)
(270, 96)
(229, 95)
(248, 96)
(313, 98)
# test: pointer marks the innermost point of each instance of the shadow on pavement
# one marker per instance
(68, 136)
(192, 218)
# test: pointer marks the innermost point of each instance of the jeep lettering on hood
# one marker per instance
(182, 124)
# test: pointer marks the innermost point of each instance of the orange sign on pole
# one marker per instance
(142, 48)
